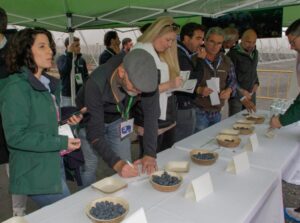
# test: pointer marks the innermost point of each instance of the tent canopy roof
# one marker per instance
(91, 14)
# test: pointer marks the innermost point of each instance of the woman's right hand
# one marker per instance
(73, 144)
(129, 171)
(176, 83)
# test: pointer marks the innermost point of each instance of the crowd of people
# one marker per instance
(134, 88)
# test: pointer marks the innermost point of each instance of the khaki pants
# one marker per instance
(18, 201)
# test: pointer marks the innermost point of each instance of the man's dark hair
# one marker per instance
(189, 29)
(125, 41)
(3, 20)
(20, 53)
(75, 39)
(294, 28)
(144, 27)
(109, 36)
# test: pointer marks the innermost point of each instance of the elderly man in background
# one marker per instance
(218, 68)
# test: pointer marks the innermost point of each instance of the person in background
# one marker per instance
(144, 27)
(127, 44)
(64, 66)
(215, 66)
(293, 113)
(190, 44)
(29, 105)
(18, 201)
(231, 38)
(245, 59)
(159, 40)
(112, 43)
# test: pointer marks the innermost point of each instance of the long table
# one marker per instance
(252, 196)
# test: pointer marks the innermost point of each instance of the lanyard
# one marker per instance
(125, 114)
(185, 51)
(211, 66)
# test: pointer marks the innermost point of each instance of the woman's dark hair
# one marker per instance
(3, 20)
(19, 49)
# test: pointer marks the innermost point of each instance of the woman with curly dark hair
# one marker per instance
(29, 100)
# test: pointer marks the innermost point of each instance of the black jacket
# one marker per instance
(106, 55)
(185, 100)
(245, 68)
(101, 105)
(64, 65)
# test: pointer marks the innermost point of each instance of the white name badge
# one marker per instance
(65, 130)
(126, 128)
(78, 78)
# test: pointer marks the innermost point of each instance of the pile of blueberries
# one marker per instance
(204, 156)
(107, 210)
(165, 179)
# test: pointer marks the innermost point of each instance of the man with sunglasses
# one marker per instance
(293, 113)
(109, 96)
(215, 68)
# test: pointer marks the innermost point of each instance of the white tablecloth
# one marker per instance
(252, 196)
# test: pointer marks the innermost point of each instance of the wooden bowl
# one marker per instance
(258, 119)
(164, 188)
(115, 200)
(203, 161)
(244, 129)
(228, 141)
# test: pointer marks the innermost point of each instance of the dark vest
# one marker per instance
(222, 72)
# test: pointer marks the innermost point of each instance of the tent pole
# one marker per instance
(72, 75)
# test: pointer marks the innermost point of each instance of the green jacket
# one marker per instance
(31, 130)
(292, 114)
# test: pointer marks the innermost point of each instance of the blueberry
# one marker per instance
(204, 156)
(165, 179)
(107, 210)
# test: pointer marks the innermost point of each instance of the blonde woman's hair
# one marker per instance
(158, 28)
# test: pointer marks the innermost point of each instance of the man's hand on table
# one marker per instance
(148, 164)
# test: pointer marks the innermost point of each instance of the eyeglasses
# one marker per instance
(175, 27)
(293, 41)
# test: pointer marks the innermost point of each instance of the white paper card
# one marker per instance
(126, 128)
(239, 163)
(214, 96)
(188, 86)
(254, 142)
(78, 78)
(137, 217)
(15, 220)
(185, 74)
(65, 130)
(217, 83)
(199, 188)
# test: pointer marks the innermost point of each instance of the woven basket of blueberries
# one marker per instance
(165, 181)
(229, 141)
(107, 210)
(203, 156)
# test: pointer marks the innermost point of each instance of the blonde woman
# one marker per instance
(160, 41)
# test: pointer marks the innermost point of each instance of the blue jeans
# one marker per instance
(112, 135)
(47, 199)
(185, 123)
(205, 119)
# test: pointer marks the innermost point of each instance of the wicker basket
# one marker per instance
(256, 119)
(203, 161)
(244, 129)
(163, 188)
(115, 200)
(228, 141)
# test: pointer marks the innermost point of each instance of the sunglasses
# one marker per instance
(175, 27)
